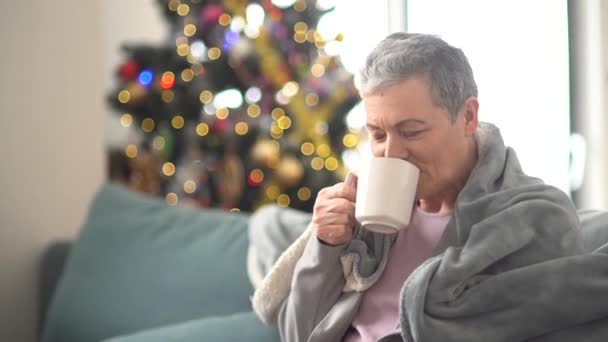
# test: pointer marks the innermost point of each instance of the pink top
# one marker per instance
(378, 314)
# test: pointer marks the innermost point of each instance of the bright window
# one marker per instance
(518, 50)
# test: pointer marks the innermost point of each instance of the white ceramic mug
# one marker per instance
(386, 189)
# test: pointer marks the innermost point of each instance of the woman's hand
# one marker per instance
(334, 213)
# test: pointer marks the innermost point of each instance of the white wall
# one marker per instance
(57, 64)
(51, 134)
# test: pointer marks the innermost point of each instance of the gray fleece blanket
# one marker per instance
(512, 268)
(509, 267)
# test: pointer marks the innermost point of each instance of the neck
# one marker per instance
(445, 201)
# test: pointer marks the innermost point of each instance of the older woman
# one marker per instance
(476, 262)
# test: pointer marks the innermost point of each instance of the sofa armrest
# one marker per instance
(51, 268)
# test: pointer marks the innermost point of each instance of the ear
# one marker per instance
(470, 109)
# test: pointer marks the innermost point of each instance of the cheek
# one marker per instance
(377, 149)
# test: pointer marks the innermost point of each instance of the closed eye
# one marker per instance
(378, 136)
(410, 134)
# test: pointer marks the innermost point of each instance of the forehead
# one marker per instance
(409, 100)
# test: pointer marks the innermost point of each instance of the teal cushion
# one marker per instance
(241, 327)
(139, 263)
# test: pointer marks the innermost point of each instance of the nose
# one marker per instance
(394, 149)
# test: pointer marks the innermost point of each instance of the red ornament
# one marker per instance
(220, 125)
(129, 70)
(211, 13)
(276, 14)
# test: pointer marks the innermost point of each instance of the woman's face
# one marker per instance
(403, 122)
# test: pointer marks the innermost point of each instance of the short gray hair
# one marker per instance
(402, 55)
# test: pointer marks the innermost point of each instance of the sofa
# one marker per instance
(141, 270)
(144, 271)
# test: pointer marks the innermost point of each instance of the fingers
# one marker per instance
(340, 215)
(334, 214)
(347, 191)
(334, 234)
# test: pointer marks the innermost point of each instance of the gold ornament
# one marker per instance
(290, 171)
(266, 152)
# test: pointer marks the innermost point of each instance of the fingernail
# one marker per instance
(350, 178)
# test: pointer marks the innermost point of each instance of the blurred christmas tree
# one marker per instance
(243, 107)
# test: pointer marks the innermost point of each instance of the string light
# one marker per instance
(312, 99)
(304, 194)
(300, 6)
(331, 164)
(253, 95)
(237, 24)
(172, 199)
(187, 75)
(124, 96)
(206, 96)
(214, 53)
(222, 113)
(283, 200)
(183, 9)
(224, 19)
(198, 69)
(189, 186)
(126, 120)
(198, 49)
(300, 26)
(323, 150)
(277, 113)
(290, 88)
(131, 151)
(284, 122)
(299, 37)
(350, 140)
(231, 37)
(167, 96)
(254, 110)
(307, 148)
(189, 30)
(183, 49)
(147, 125)
(310, 36)
(145, 77)
(241, 128)
(167, 80)
(177, 122)
(317, 163)
(256, 177)
(202, 129)
(191, 58)
(317, 70)
(275, 129)
(158, 143)
(168, 169)
(276, 134)
(173, 5)
(272, 192)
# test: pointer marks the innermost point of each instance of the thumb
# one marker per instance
(351, 186)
